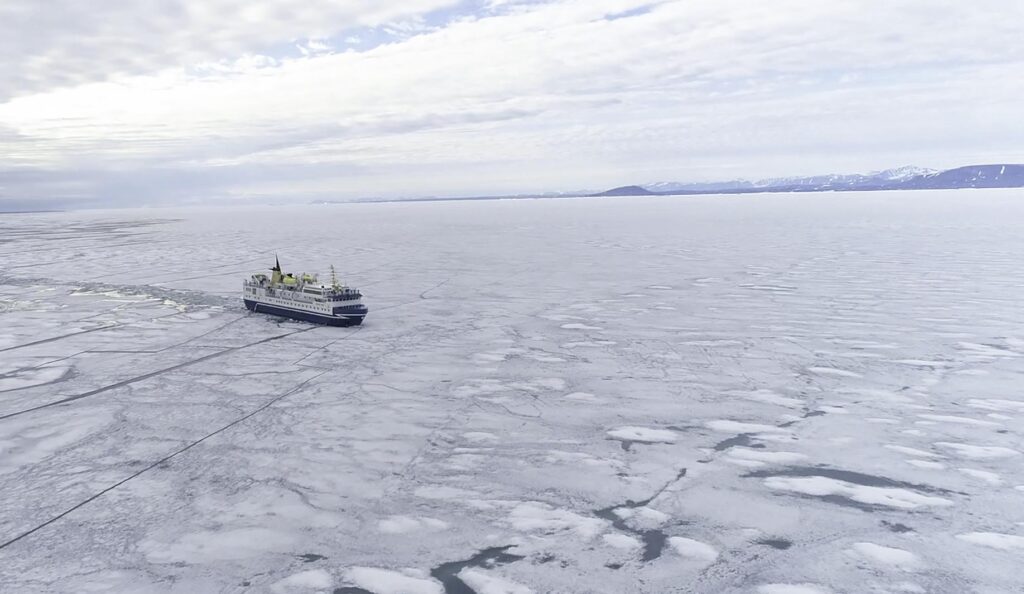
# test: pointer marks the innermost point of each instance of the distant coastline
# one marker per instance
(35, 211)
(1000, 175)
(903, 178)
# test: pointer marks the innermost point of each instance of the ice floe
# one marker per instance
(387, 581)
(995, 540)
(887, 556)
(404, 524)
(578, 326)
(541, 517)
(984, 475)
(211, 546)
(929, 464)
(621, 541)
(642, 518)
(314, 579)
(793, 589)
(771, 397)
(643, 435)
(484, 582)
(820, 486)
(766, 456)
(727, 426)
(960, 420)
(977, 452)
(997, 404)
(834, 372)
(693, 549)
(912, 451)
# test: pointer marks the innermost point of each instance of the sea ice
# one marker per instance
(977, 452)
(726, 426)
(314, 579)
(994, 540)
(821, 486)
(792, 589)
(693, 549)
(156, 435)
(483, 582)
(889, 556)
(621, 541)
(643, 435)
(986, 476)
(386, 581)
(540, 517)
(403, 524)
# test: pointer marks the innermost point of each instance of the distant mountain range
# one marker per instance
(902, 178)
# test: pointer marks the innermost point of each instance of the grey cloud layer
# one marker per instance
(520, 97)
(61, 43)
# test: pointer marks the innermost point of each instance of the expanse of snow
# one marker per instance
(776, 394)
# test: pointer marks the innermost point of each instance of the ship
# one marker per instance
(304, 297)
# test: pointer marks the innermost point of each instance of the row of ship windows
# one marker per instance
(289, 303)
(335, 298)
(286, 303)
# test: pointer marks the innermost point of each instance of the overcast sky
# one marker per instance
(184, 101)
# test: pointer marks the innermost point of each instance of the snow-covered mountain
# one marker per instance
(906, 177)
(667, 187)
(849, 180)
(972, 176)
(904, 173)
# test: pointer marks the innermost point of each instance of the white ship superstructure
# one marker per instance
(303, 297)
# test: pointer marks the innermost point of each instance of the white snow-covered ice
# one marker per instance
(768, 393)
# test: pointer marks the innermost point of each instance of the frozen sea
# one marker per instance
(776, 394)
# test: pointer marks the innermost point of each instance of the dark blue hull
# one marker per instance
(342, 319)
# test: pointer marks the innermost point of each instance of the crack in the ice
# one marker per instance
(151, 374)
(780, 544)
(654, 540)
(161, 462)
(743, 439)
(61, 337)
(448, 573)
(849, 476)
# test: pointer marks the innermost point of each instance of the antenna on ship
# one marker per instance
(334, 278)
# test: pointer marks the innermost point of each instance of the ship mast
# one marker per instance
(334, 278)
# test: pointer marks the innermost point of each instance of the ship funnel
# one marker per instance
(276, 270)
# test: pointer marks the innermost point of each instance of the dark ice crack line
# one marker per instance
(120, 351)
(448, 573)
(422, 297)
(151, 374)
(321, 349)
(163, 460)
(654, 539)
(61, 337)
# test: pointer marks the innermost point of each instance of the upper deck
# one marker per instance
(305, 287)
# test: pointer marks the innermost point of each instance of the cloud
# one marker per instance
(508, 96)
(67, 42)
